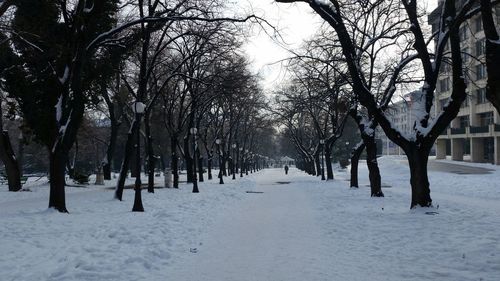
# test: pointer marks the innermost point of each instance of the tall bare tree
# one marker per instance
(426, 129)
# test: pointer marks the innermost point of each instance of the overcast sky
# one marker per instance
(296, 23)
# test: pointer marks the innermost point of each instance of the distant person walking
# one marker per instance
(286, 169)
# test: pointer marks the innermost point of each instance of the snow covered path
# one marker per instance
(302, 230)
(274, 235)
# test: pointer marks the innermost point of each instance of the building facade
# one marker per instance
(475, 133)
(402, 116)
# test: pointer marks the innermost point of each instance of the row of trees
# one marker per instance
(170, 73)
(383, 48)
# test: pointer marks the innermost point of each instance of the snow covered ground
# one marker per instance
(291, 227)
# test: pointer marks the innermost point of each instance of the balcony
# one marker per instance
(479, 130)
(457, 131)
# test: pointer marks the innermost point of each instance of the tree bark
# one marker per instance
(356, 153)
(372, 164)
(57, 166)
(110, 151)
(188, 159)
(209, 165)
(317, 162)
(420, 192)
(71, 164)
(199, 157)
(175, 161)
(129, 149)
(328, 163)
(224, 160)
(309, 165)
(150, 154)
(492, 54)
(12, 168)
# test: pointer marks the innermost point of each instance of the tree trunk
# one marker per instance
(57, 168)
(492, 54)
(224, 160)
(188, 159)
(20, 155)
(209, 165)
(356, 153)
(312, 165)
(328, 162)
(150, 154)
(175, 161)
(199, 157)
(12, 167)
(71, 164)
(106, 168)
(372, 164)
(133, 156)
(129, 150)
(317, 162)
(420, 192)
(307, 166)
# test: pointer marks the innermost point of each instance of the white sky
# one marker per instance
(296, 23)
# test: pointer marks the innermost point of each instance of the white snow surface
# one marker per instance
(304, 230)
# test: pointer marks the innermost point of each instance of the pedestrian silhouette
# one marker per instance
(286, 169)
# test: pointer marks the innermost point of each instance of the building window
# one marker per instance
(480, 71)
(480, 47)
(464, 121)
(465, 103)
(481, 96)
(498, 14)
(478, 24)
(465, 55)
(445, 67)
(463, 33)
(486, 118)
(444, 85)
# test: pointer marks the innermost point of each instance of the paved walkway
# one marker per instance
(457, 168)
(275, 235)
(441, 166)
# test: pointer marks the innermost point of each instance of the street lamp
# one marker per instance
(322, 142)
(138, 109)
(218, 142)
(194, 131)
(233, 162)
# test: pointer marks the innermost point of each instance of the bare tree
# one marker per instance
(426, 129)
(492, 51)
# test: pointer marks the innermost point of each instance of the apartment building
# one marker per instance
(401, 114)
(475, 133)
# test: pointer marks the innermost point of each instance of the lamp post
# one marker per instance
(241, 162)
(194, 131)
(322, 142)
(218, 142)
(233, 161)
(138, 109)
